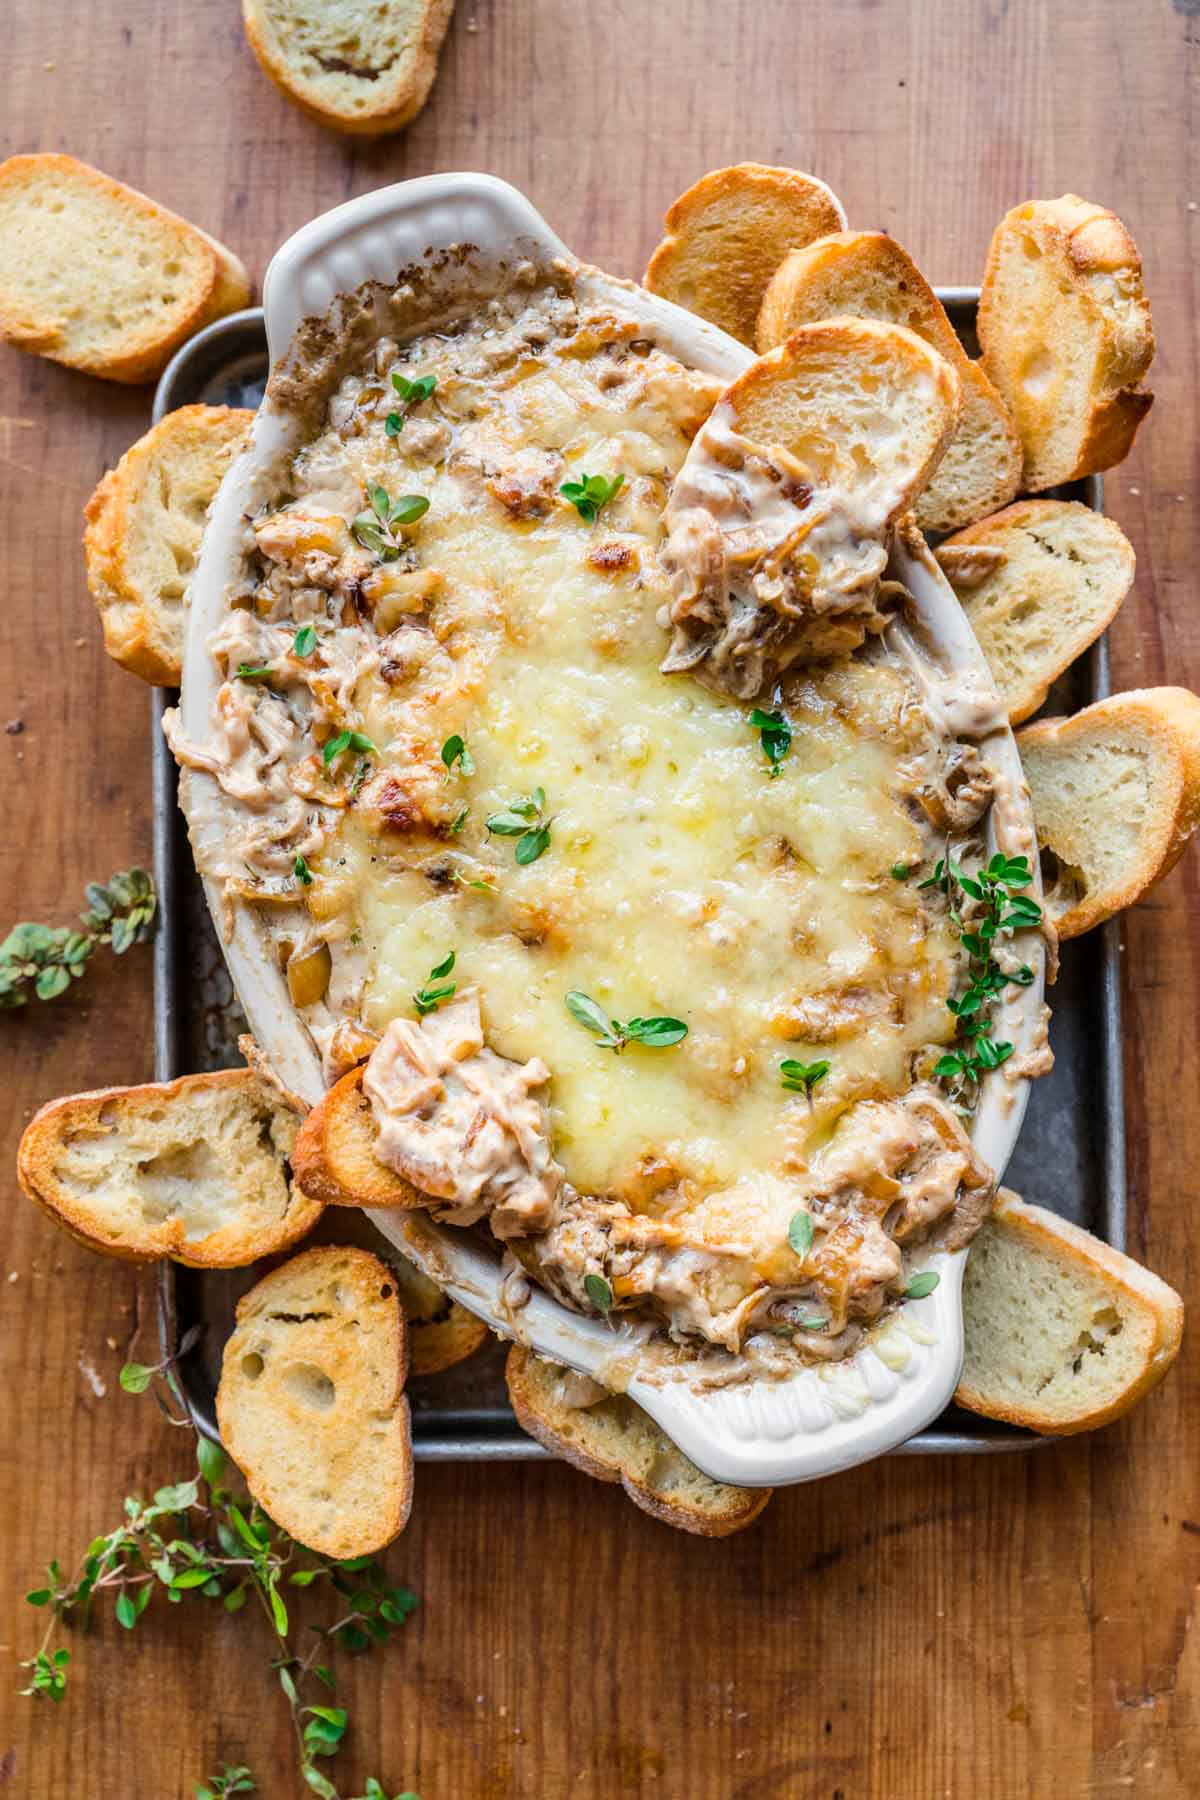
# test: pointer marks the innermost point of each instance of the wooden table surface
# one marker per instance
(997, 1627)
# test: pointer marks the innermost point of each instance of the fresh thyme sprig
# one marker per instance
(591, 493)
(655, 1034)
(45, 959)
(348, 740)
(375, 527)
(427, 999)
(198, 1541)
(802, 1078)
(135, 1378)
(229, 1781)
(599, 1293)
(524, 818)
(456, 754)
(998, 909)
(412, 393)
(775, 736)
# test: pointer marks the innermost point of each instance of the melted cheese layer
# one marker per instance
(681, 878)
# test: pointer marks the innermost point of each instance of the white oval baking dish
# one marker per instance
(758, 1432)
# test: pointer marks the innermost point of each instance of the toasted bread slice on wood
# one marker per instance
(195, 1169)
(728, 234)
(311, 1403)
(142, 537)
(95, 275)
(866, 275)
(1116, 797)
(858, 403)
(1067, 335)
(353, 65)
(1063, 1333)
(334, 1158)
(610, 1437)
(441, 1333)
(1039, 582)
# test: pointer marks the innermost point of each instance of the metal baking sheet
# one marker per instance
(1071, 1155)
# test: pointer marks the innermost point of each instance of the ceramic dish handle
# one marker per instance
(368, 239)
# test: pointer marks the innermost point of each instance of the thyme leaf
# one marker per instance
(412, 392)
(524, 818)
(455, 751)
(43, 960)
(775, 735)
(802, 1078)
(998, 908)
(591, 493)
(347, 740)
(197, 1541)
(655, 1034)
(800, 1233)
(428, 998)
(599, 1293)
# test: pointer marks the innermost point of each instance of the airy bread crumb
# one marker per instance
(95, 275)
(311, 1402)
(1063, 1333)
(142, 538)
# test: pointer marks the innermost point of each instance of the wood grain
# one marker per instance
(1016, 1626)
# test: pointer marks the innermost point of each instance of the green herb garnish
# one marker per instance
(200, 1541)
(428, 999)
(45, 959)
(998, 910)
(900, 871)
(376, 528)
(301, 871)
(229, 1781)
(802, 1078)
(305, 641)
(800, 1233)
(347, 740)
(590, 493)
(459, 820)
(655, 1034)
(524, 819)
(599, 1293)
(412, 393)
(775, 735)
(254, 671)
(922, 1284)
(455, 750)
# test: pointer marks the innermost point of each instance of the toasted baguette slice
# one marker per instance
(1116, 796)
(866, 275)
(860, 404)
(610, 1437)
(353, 65)
(334, 1158)
(311, 1403)
(728, 234)
(981, 469)
(144, 525)
(1039, 582)
(1063, 1333)
(441, 1333)
(95, 275)
(1067, 335)
(195, 1169)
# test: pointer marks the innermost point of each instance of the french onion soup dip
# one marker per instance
(642, 916)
